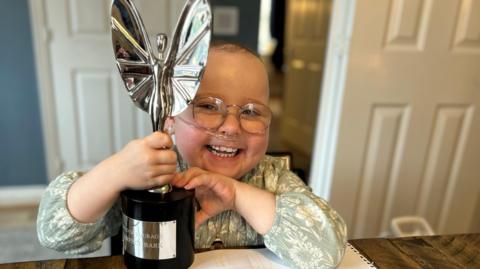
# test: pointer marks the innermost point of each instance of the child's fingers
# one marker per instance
(193, 172)
(159, 140)
(160, 157)
(200, 217)
(158, 170)
(178, 176)
(163, 179)
(197, 175)
(200, 180)
(166, 157)
(180, 180)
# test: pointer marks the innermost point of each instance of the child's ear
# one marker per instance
(168, 127)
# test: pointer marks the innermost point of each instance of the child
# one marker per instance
(245, 197)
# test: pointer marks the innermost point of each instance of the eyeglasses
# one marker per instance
(210, 113)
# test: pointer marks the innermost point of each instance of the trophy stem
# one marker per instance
(158, 125)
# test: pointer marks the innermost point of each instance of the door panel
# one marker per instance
(94, 113)
(386, 136)
(451, 128)
(408, 24)
(93, 90)
(87, 17)
(467, 38)
(409, 128)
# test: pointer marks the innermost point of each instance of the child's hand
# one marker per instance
(214, 192)
(144, 163)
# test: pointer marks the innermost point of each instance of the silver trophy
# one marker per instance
(158, 225)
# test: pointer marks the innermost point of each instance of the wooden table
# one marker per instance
(446, 251)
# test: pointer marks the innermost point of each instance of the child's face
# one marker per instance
(237, 78)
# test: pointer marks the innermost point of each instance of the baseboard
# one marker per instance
(21, 195)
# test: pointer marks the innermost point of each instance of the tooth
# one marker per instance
(223, 151)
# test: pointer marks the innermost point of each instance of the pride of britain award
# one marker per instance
(158, 225)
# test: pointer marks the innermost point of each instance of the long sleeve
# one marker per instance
(58, 230)
(307, 232)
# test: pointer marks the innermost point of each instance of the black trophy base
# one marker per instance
(159, 214)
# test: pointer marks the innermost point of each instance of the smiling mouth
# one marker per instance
(225, 152)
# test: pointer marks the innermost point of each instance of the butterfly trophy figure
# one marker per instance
(161, 82)
(164, 82)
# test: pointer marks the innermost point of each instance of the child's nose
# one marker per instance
(231, 125)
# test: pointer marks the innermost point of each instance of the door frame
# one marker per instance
(331, 97)
(31, 194)
(41, 36)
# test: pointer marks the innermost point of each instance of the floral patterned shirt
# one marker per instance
(307, 232)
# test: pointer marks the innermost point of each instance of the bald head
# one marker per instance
(232, 47)
(232, 54)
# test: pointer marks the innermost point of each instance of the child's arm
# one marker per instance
(77, 212)
(57, 229)
(307, 232)
(302, 229)
(142, 164)
(257, 206)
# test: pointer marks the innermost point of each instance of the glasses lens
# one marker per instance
(208, 112)
(255, 118)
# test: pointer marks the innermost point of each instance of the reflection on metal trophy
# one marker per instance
(158, 225)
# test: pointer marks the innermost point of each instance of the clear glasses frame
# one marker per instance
(210, 113)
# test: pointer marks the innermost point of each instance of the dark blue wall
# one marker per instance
(249, 22)
(22, 160)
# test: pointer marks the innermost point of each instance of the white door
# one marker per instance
(95, 117)
(306, 39)
(409, 133)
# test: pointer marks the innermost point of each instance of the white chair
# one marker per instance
(410, 226)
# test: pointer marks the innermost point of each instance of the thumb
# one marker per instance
(158, 140)
(200, 217)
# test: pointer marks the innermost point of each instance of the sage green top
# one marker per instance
(307, 232)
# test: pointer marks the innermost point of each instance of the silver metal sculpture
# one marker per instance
(161, 82)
